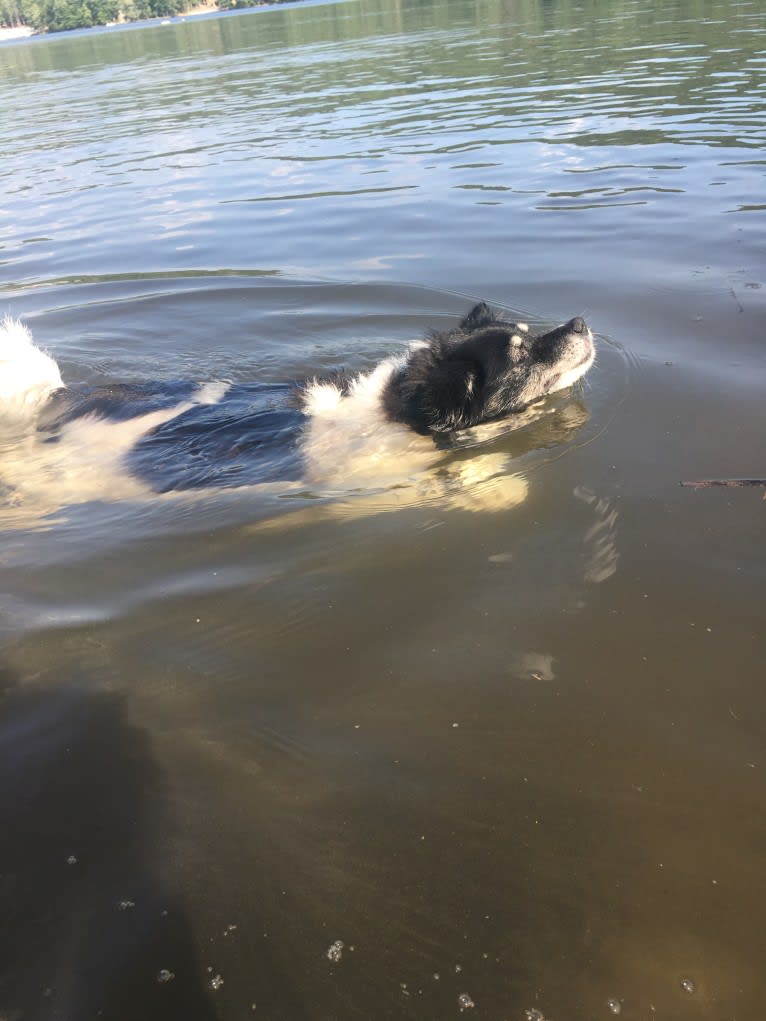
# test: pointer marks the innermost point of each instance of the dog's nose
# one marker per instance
(578, 325)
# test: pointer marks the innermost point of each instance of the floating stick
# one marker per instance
(707, 483)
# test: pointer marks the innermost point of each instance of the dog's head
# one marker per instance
(485, 369)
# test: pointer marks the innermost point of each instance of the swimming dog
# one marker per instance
(350, 430)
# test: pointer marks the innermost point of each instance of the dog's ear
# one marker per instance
(481, 315)
(437, 391)
(449, 393)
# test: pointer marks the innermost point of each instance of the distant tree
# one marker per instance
(32, 13)
(134, 10)
(58, 15)
(104, 11)
(12, 12)
(165, 8)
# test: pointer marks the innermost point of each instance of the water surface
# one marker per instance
(506, 747)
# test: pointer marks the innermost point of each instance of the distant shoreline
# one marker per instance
(205, 7)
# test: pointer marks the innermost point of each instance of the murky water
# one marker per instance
(489, 740)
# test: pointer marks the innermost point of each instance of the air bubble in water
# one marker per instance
(533, 1014)
(614, 1005)
(163, 975)
(335, 951)
(216, 982)
(687, 985)
(465, 1002)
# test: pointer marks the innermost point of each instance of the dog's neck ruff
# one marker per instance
(356, 397)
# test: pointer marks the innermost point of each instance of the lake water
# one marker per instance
(506, 744)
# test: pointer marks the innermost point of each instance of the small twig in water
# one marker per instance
(708, 483)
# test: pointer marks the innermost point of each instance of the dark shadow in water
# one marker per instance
(87, 924)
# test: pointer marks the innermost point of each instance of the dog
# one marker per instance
(346, 431)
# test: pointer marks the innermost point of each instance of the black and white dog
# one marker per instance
(370, 427)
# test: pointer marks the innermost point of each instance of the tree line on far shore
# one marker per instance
(59, 15)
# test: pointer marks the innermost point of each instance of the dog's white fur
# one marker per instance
(350, 443)
(28, 376)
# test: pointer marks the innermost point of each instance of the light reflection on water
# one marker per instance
(508, 739)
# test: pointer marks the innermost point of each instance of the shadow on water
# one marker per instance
(88, 925)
